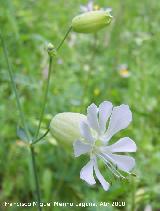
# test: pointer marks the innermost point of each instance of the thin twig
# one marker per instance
(66, 35)
(45, 98)
(10, 71)
(47, 86)
(36, 177)
(40, 138)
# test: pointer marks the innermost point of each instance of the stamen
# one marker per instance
(109, 166)
(114, 170)
(113, 162)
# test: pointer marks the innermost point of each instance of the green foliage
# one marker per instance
(85, 70)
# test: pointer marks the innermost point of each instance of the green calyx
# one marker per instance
(91, 22)
(65, 127)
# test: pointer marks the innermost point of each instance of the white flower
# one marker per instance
(95, 139)
(90, 6)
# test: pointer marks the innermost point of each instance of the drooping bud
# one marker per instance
(91, 22)
(65, 127)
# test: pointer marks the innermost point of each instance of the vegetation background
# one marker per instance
(87, 69)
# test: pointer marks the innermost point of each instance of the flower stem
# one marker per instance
(40, 138)
(34, 140)
(66, 35)
(35, 177)
(45, 98)
(10, 71)
(47, 86)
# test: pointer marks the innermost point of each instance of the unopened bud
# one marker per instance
(51, 49)
(65, 127)
(91, 22)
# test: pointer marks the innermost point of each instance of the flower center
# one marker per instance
(98, 143)
(95, 147)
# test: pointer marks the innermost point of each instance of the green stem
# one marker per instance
(34, 142)
(45, 98)
(47, 86)
(10, 71)
(41, 114)
(66, 35)
(22, 119)
(35, 177)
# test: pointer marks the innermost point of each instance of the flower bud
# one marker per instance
(51, 49)
(65, 127)
(91, 22)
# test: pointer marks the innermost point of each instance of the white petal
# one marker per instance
(92, 117)
(90, 6)
(80, 148)
(123, 162)
(85, 132)
(122, 145)
(87, 173)
(120, 119)
(105, 110)
(99, 176)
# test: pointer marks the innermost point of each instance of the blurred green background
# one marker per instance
(120, 63)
